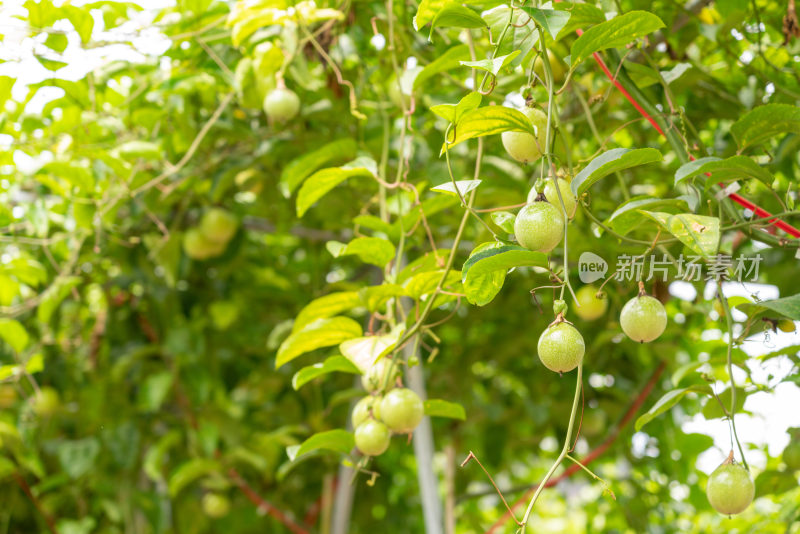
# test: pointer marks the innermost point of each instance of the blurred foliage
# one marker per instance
(139, 384)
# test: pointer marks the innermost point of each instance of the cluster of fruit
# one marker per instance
(210, 238)
(539, 226)
(386, 410)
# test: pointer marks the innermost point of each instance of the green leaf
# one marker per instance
(787, 306)
(501, 257)
(330, 365)
(670, 399)
(13, 333)
(337, 440)
(613, 33)
(492, 66)
(82, 20)
(77, 457)
(455, 15)
(481, 289)
(317, 334)
(505, 220)
(425, 283)
(765, 122)
(551, 20)
(712, 409)
(374, 297)
(374, 250)
(614, 160)
(454, 112)
(771, 482)
(321, 182)
(426, 12)
(520, 35)
(153, 392)
(449, 60)
(301, 168)
(442, 408)
(363, 352)
(7, 467)
(582, 15)
(189, 472)
(698, 232)
(53, 296)
(326, 306)
(50, 64)
(489, 120)
(724, 170)
(461, 186)
(629, 215)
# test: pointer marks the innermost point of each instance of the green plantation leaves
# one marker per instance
(723, 170)
(321, 182)
(339, 441)
(698, 232)
(614, 160)
(317, 334)
(669, 400)
(330, 365)
(442, 408)
(614, 33)
(764, 123)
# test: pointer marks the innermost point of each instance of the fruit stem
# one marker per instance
(564, 449)
(642, 291)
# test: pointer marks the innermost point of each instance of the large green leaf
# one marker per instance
(724, 170)
(374, 250)
(614, 160)
(425, 283)
(191, 471)
(582, 15)
(363, 352)
(317, 334)
(698, 232)
(449, 60)
(502, 257)
(481, 289)
(520, 35)
(772, 482)
(13, 333)
(787, 306)
(337, 440)
(455, 15)
(670, 399)
(301, 167)
(321, 182)
(614, 33)
(327, 306)
(330, 365)
(489, 120)
(454, 112)
(551, 20)
(712, 409)
(442, 408)
(629, 215)
(764, 123)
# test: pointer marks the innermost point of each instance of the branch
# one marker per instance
(263, 505)
(51, 524)
(596, 453)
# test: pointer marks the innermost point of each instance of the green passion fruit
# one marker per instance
(402, 410)
(539, 226)
(561, 347)
(523, 146)
(377, 378)
(643, 318)
(570, 202)
(367, 407)
(218, 225)
(589, 306)
(730, 489)
(281, 104)
(372, 438)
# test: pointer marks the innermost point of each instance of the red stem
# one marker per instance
(262, 504)
(596, 453)
(51, 524)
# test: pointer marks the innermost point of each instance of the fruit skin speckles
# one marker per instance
(539, 226)
(372, 438)
(561, 347)
(730, 489)
(523, 146)
(643, 318)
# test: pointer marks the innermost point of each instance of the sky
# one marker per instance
(769, 418)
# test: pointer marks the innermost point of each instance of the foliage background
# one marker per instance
(122, 126)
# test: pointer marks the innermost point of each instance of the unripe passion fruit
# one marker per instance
(556, 66)
(372, 438)
(791, 456)
(367, 407)
(218, 225)
(46, 401)
(281, 104)
(523, 146)
(570, 202)
(198, 247)
(590, 307)
(730, 489)
(215, 505)
(643, 318)
(402, 410)
(561, 347)
(539, 226)
(377, 378)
